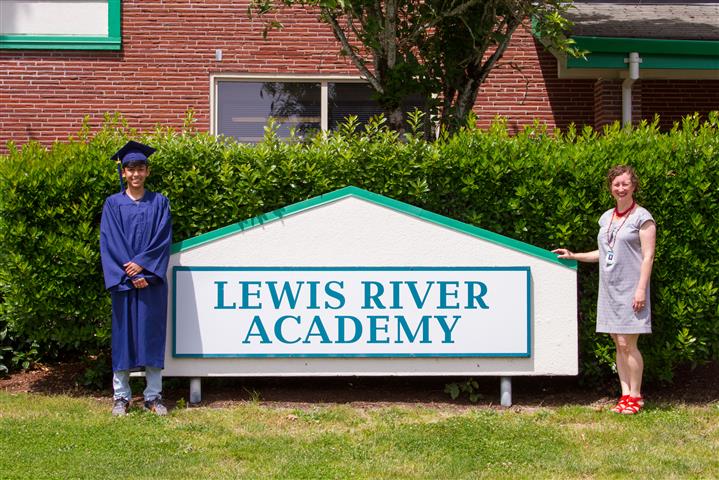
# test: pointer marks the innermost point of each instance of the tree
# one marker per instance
(441, 50)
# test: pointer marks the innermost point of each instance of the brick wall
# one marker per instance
(525, 87)
(672, 99)
(169, 53)
(162, 71)
(608, 102)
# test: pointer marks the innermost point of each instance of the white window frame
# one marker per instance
(323, 80)
(111, 41)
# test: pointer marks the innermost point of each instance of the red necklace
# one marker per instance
(621, 214)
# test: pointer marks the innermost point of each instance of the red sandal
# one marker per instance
(632, 406)
(621, 405)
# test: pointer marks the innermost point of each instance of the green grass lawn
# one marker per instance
(64, 437)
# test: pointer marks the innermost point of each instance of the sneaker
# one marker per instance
(119, 408)
(156, 407)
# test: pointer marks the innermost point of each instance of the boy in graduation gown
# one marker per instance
(135, 239)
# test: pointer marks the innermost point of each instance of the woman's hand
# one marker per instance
(591, 257)
(563, 253)
(640, 300)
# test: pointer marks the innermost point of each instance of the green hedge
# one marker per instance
(541, 188)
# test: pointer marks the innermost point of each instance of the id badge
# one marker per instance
(609, 258)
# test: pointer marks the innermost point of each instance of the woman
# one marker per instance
(626, 239)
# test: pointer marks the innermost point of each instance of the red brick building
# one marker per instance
(153, 60)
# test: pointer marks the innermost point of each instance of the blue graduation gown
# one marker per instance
(140, 232)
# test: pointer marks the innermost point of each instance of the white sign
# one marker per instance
(56, 17)
(355, 283)
(351, 311)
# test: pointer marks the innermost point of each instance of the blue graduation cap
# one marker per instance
(131, 152)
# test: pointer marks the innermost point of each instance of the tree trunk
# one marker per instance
(395, 118)
(476, 73)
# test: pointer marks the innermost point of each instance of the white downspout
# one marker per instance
(633, 62)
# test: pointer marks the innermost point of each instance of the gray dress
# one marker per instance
(619, 274)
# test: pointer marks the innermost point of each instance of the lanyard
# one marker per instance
(612, 235)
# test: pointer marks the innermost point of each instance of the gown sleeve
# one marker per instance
(113, 251)
(156, 256)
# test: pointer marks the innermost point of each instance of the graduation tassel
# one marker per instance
(119, 174)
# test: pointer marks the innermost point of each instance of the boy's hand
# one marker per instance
(139, 282)
(132, 269)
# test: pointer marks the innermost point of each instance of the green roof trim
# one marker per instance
(648, 45)
(610, 52)
(113, 40)
(378, 200)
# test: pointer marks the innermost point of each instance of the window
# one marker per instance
(243, 107)
(60, 24)
(345, 99)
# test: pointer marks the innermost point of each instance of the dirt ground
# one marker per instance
(692, 386)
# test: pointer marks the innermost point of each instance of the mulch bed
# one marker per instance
(691, 386)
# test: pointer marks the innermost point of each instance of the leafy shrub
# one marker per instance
(543, 188)
(469, 386)
(97, 370)
(15, 353)
(6, 349)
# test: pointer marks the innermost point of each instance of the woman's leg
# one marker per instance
(632, 363)
(622, 368)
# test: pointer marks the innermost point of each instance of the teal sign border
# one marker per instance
(355, 355)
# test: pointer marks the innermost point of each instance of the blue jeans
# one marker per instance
(153, 390)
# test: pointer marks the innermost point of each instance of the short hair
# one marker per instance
(617, 170)
(135, 164)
